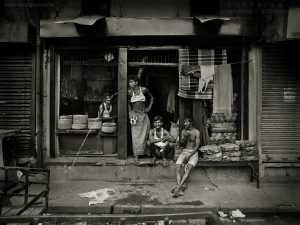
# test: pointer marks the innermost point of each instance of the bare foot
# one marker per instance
(173, 189)
(153, 161)
(165, 163)
(178, 192)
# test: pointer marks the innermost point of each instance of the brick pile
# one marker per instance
(248, 150)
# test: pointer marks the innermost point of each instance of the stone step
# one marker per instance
(126, 171)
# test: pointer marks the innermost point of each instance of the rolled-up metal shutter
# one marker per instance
(280, 102)
(16, 99)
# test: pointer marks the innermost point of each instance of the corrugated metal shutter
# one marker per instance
(280, 101)
(16, 91)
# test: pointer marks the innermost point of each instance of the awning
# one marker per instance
(82, 20)
(120, 26)
(207, 19)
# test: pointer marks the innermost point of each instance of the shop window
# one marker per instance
(86, 78)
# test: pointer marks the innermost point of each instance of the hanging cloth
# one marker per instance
(190, 62)
(171, 100)
(223, 90)
(207, 75)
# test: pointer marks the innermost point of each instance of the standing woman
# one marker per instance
(138, 109)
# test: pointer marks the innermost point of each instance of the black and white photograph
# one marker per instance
(150, 112)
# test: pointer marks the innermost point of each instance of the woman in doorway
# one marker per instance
(138, 109)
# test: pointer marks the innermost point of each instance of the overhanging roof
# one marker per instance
(82, 19)
(119, 26)
(207, 19)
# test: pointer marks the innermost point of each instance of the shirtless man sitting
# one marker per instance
(188, 158)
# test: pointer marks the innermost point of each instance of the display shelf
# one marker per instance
(73, 131)
(85, 131)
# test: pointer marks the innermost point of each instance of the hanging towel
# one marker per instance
(188, 79)
(207, 74)
(191, 60)
(191, 70)
(171, 100)
(223, 90)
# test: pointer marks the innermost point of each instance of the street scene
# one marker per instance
(149, 112)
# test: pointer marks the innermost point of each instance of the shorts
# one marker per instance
(185, 152)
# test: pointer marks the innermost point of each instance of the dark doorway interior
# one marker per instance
(159, 82)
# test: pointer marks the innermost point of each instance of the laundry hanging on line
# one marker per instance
(223, 89)
(190, 62)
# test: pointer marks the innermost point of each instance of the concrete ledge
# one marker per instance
(251, 209)
(196, 221)
(152, 209)
(165, 209)
(127, 209)
(95, 209)
(289, 209)
(180, 222)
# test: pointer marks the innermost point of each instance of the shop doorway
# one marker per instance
(158, 70)
(160, 82)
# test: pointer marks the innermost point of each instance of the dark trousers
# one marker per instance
(167, 153)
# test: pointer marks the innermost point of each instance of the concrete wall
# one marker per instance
(150, 8)
(131, 173)
(281, 175)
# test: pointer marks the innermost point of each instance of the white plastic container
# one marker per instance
(109, 127)
(80, 119)
(94, 124)
(78, 126)
(64, 122)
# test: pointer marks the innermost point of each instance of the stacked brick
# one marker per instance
(248, 150)
(223, 128)
(211, 153)
(230, 152)
(238, 151)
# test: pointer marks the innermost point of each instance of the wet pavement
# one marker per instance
(243, 195)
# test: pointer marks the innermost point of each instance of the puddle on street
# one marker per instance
(138, 199)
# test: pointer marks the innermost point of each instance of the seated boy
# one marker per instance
(159, 139)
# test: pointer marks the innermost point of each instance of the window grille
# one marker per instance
(153, 57)
(89, 56)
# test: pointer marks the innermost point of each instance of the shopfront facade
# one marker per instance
(88, 57)
(80, 75)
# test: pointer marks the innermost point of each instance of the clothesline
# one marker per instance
(203, 55)
(240, 62)
(123, 61)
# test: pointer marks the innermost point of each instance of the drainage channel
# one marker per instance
(201, 218)
(195, 218)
